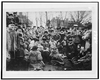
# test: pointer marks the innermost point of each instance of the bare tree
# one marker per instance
(65, 15)
(79, 16)
(36, 21)
(40, 18)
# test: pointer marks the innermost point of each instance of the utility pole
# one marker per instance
(78, 16)
(46, 16)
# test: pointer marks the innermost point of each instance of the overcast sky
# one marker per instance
(33, 16)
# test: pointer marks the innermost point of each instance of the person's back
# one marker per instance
(35, 56)
(35, 59)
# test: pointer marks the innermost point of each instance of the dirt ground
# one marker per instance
(13, 66)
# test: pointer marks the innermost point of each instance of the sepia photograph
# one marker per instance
(52, 39)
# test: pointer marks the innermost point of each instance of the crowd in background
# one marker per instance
(34, 47)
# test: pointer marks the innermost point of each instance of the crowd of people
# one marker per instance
(35, 47)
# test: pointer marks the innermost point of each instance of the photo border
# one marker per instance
(49, 2)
